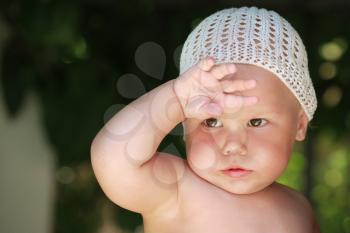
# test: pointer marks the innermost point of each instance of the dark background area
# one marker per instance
(72, 54)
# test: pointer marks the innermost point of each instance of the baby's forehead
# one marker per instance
(269, 87)
(248, 71)
(257, 110)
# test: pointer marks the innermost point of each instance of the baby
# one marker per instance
(244, 97)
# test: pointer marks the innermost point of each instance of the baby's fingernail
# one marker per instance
(250, 84)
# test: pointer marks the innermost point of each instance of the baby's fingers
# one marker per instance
(221, 70)
(237, 102)
(237, 85)
(206, 63)
(200, 107)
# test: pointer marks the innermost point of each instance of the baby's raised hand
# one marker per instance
(203, 93)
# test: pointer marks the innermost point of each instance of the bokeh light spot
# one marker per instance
(65, 175)
(331, 51)
(333, 178)
(327, 70)
(332, 96)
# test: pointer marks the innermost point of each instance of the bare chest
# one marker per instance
(227, 219)
(202, 209)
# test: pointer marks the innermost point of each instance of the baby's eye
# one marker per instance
(212, 123)
(257, 122)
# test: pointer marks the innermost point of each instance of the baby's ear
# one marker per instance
(301, 126)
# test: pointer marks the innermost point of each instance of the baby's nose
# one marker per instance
(235, 150)
(235, 144)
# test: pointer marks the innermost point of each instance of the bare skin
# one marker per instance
(176, 195)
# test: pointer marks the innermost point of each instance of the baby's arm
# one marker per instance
(124, 153)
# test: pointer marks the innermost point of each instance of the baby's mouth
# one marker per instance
(236, 172)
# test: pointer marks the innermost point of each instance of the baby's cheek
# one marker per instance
(275, 159)
(202, 156)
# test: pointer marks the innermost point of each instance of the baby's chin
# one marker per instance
(237, 187)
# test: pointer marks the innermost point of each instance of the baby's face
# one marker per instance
(259, 137)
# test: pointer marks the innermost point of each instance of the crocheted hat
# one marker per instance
(254, 36)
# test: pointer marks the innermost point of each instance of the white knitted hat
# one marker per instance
(254, 36)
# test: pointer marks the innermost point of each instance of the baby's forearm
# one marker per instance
(137, 130)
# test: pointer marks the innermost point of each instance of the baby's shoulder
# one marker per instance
(294, 196)
(295, 201)
(289, 207)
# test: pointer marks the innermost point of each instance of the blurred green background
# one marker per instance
(68, 66)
